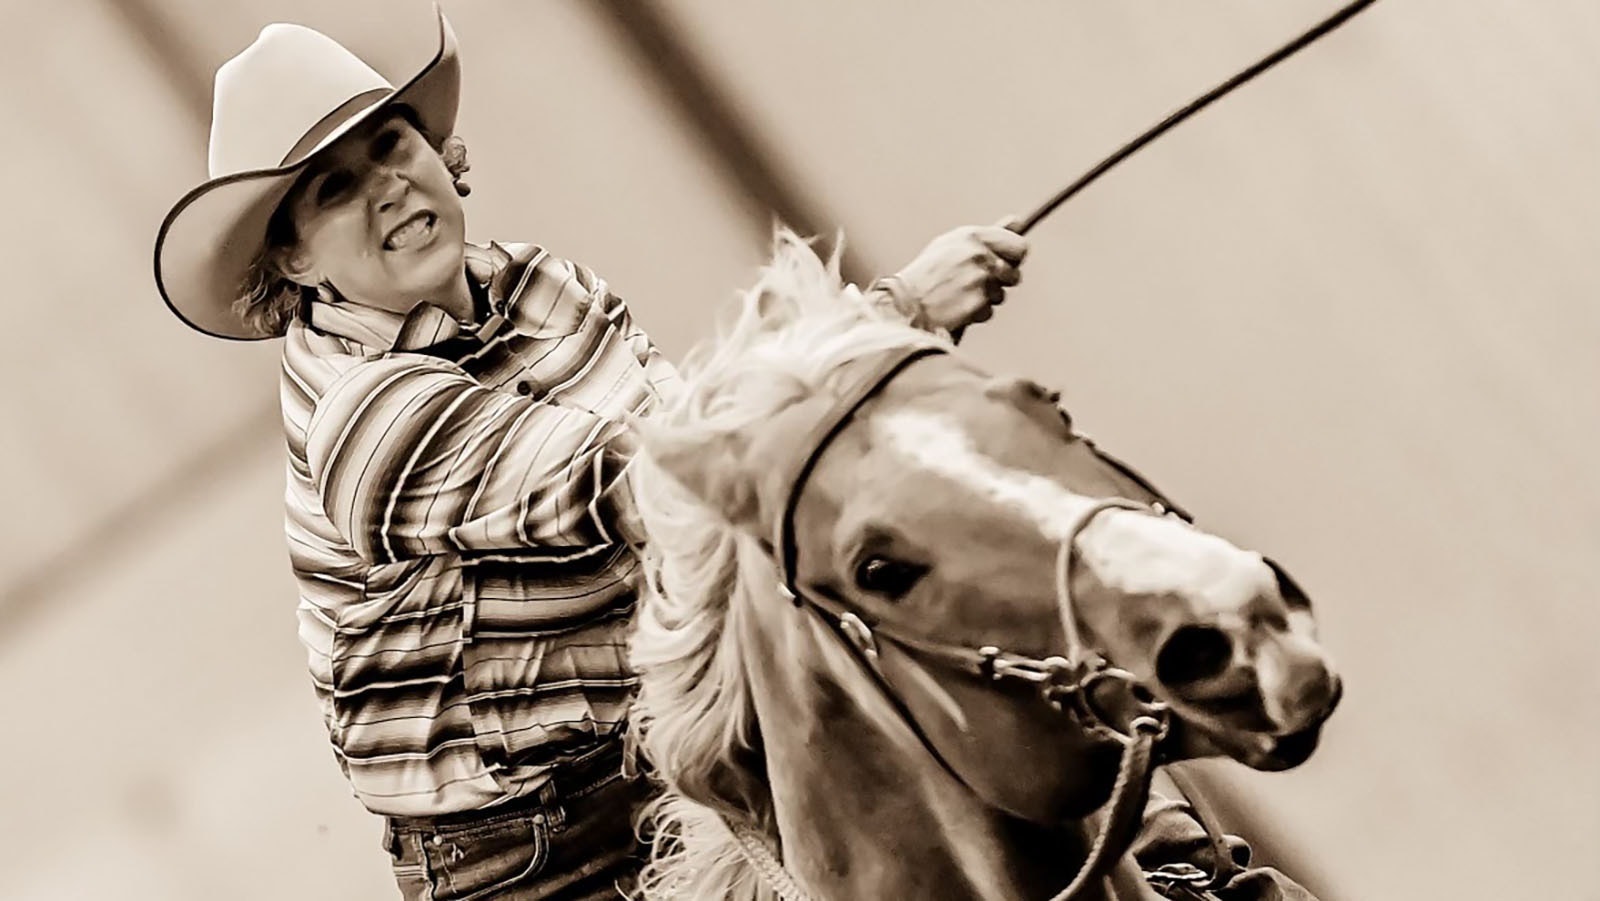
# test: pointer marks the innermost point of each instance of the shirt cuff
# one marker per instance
(891, 292)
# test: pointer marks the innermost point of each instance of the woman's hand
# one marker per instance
(962, 274)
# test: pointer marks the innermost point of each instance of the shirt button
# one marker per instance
(524, 388)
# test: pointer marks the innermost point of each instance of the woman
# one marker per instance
(457, 517)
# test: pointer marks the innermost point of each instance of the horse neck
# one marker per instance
(863, 809)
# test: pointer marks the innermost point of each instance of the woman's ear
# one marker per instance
(297, 266)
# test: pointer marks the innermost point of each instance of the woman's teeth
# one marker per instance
(413, 230)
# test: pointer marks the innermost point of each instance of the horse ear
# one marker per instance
(1021, 392)
(710, 465)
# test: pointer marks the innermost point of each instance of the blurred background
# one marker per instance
(1348, 316)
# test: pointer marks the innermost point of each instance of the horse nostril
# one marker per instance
(1193, 653)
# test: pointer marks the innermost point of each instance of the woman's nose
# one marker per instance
(391, 188)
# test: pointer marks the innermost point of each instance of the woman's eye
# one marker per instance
(335, 184)
(385, 145)
(890, 578)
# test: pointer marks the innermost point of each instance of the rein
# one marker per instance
(1070, 683)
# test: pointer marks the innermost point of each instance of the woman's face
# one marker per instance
(378, 218)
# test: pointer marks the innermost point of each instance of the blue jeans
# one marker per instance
(574, 842)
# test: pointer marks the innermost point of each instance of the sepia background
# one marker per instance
(1350, 316)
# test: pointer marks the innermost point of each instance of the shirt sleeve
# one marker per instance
(412, 457)
(889, 297)
(658, 370)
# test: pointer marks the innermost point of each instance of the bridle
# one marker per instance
(1068, 682)
(1073, 682)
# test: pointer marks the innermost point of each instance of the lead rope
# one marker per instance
(1128, 798)
(1226, 867)
(754, 846)
(1131, 791)
(1142, 743)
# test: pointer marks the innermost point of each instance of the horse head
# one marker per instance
(948, 528)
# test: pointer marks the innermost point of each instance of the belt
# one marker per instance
(567, 780)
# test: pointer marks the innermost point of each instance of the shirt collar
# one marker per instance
(428, 324)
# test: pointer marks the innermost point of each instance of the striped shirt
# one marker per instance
(459, 529)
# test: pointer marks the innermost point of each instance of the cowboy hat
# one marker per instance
(287, 96)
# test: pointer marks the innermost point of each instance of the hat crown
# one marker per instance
(277, 90)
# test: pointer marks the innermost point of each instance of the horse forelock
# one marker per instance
(796, 327)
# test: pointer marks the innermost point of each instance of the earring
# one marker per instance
(462, 188)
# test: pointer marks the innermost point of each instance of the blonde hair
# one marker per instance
(268, 300)
(694, 714)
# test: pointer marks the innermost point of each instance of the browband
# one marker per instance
(797, 468)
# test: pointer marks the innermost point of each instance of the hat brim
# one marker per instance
(210, 238)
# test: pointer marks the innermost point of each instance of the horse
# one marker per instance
(905, 630)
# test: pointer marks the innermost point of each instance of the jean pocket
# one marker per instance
(406, 859)
(476, 861)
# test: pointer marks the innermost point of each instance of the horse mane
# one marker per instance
(694, 717)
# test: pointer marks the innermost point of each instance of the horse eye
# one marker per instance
(890, 578)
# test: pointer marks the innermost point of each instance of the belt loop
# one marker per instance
(469, 600)
(555, 815)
